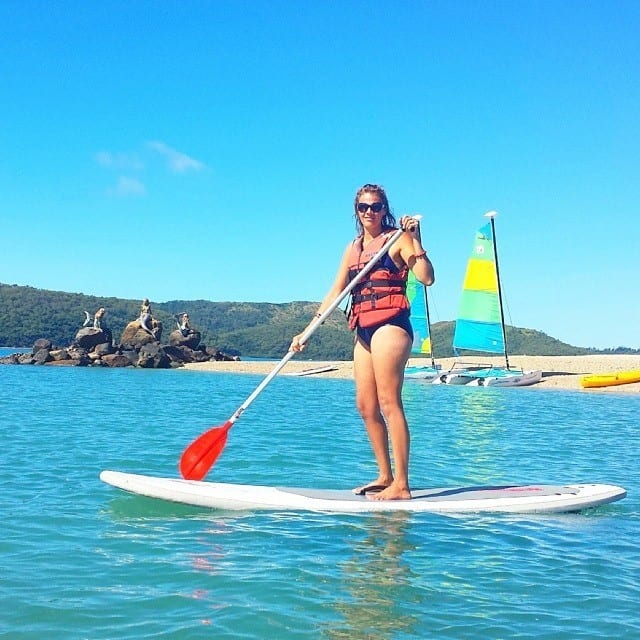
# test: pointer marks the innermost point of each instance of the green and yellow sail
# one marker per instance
(479, 322)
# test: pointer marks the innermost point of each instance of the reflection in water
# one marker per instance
(379, 581)
(467, 450)
(478, 433)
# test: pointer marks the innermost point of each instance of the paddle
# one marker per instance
(201, 454)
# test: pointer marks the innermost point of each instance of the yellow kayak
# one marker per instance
(610, 379)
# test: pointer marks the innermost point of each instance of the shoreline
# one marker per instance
(559, 372)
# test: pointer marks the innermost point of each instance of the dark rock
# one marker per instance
(41, 356)
(70, 362)
(177, 355)
(134, 336)
(216, 354)
(116, 360)
(103, 349)
(153, 356)
(77, 353)
(191, 339)
(59, 354)
(88, 337)
(183, 354)
(130, 354)
(41, 343)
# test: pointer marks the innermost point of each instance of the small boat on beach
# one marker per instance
(501, 377)
(461, 373)
(422, 372)
(596, 380)
(480, 325)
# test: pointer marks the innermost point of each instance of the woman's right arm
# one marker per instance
(340, 282)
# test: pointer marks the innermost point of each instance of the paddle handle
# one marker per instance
(311, 329)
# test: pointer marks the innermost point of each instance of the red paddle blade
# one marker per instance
(200, 455)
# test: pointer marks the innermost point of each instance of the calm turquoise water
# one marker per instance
(82, 560)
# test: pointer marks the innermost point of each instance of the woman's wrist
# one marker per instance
(419, 251)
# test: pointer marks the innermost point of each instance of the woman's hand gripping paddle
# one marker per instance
(202, 453)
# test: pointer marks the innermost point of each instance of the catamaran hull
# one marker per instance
(482, 379)
(456, 378)
(517, 380)
(421, 373)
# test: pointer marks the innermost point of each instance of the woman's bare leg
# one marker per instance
(369, 408)
(390, 349)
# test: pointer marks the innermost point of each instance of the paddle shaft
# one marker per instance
(202, 453)
(319, 320)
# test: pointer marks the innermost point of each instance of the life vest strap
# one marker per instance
(399, 283)
(372, 297)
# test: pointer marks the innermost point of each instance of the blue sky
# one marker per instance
(211, 150)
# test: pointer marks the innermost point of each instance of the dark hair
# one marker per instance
(389, 221)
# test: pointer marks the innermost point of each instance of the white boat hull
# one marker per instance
(489, 377)
(515, 379)
(421, 373)
(457, 378)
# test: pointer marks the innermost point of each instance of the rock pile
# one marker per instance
(138, 348)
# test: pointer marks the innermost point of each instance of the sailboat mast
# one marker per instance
(426, 313)
(426, 310)
(491, 215)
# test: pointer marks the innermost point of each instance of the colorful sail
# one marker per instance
(479, 322)
(419, 316)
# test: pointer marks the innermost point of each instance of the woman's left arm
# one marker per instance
(413, 253)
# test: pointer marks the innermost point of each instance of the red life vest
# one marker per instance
(382, 294)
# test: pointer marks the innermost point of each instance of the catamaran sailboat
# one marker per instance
(480, 324)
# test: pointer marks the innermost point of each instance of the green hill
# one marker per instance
(244, 328)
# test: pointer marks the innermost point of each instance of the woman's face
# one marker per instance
(371, 210)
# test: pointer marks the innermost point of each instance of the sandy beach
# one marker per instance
(559, 372)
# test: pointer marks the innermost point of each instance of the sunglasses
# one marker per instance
(376, 207)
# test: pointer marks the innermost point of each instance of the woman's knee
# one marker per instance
(390, 404)
(367, 408)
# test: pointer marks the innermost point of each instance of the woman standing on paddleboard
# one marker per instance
(380, 317)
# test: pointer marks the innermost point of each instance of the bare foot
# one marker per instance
(392, 492)
(373, 487)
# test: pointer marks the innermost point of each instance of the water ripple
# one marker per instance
(81, 560)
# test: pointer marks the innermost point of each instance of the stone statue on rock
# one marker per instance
(144, 330)
(89, 338)
(139, 345)
(97, 318)
(147, 322)
(184, 335)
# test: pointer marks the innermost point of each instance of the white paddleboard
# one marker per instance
(310, 372)
(242, 497)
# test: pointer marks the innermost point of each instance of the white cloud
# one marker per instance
(121, 161)
(128, 187)
(177, 161)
